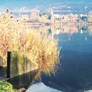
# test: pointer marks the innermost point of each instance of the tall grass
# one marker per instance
(41, 49)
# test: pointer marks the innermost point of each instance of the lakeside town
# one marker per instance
(52, 20)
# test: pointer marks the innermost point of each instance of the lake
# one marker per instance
(74, 73)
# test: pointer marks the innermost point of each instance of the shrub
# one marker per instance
(6, 87)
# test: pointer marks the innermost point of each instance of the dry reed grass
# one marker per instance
(40, 48)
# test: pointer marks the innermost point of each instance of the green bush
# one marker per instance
(6, 87)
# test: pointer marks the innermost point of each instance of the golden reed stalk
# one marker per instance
(41, 49)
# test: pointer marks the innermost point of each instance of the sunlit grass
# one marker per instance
(41, 49)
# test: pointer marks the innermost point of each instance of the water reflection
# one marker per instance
(24, 80)
(74, 73)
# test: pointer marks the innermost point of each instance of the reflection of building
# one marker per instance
(61, 23)
(90, 16)
(90, 30)
(67, 28)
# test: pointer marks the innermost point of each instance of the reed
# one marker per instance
(39, 47)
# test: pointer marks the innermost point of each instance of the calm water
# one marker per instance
(74, 73)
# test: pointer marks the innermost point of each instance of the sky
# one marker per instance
(15, 4)
(37, 3)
